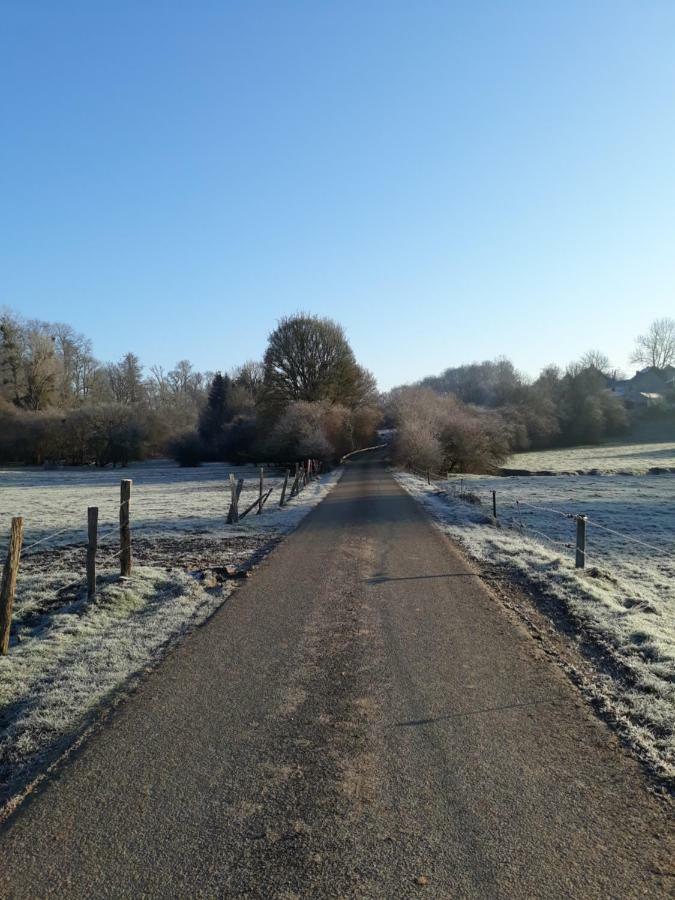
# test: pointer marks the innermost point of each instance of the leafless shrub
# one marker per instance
(439, 432)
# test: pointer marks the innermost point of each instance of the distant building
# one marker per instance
(648, 387)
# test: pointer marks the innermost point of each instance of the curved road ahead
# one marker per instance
(361, 719)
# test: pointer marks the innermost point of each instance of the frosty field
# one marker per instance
(67, 653)
(610, 459)
(624, 599)
(164, 499)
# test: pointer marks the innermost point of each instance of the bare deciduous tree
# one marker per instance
(41, 369)
(657, 347)
(126, 380)
(596, 359)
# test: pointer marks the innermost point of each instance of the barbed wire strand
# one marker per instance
(528, 529)
(49, 537)
(590, 521)
(628, 537)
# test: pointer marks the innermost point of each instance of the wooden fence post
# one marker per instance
(580, 562)
(494, 504)
(261, 490)
(232, 515)
(255, 503)
(8, 587)
(92, 534)
(428, 477)
(235, 489)
(232, 512)
(294, 488)
(285, 485)
(125, 528)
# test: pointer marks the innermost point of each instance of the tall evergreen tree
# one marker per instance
(217, 413)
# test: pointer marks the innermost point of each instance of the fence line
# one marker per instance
(521, 526)
(50, 537)
(582, 520)
(628, 537)
(309, 471)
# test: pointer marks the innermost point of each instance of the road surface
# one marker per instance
(361, 719)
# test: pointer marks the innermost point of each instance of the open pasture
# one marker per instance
(165, 500)
(609, 459)
(631, 519)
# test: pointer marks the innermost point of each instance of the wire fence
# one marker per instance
(510, 510)
(96, 534)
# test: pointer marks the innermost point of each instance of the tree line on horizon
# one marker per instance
(471, 417)
(307, 397)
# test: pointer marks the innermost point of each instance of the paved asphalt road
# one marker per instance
(361, 719)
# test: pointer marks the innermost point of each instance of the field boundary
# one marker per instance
(305, 473)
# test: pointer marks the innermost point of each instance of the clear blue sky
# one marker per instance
(451, 181)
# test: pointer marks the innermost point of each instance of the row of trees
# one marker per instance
(307, 397)
(471, 417)
(57, 401)
(46, 365)
(558, 408)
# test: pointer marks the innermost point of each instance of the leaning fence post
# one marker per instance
(261, 489)
(295, 487)
(125, 528)
(92, 534)
(8, 587)
(581, 542)
(494, 504)
(285, 485)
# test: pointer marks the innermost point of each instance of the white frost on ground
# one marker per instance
(164, 498)
(625, 598)
(609, 459)
(68, 654)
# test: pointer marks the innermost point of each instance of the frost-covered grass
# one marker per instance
(70, 660)
(610, 459)
(625, 598)
(164, 499)
(68, 654)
